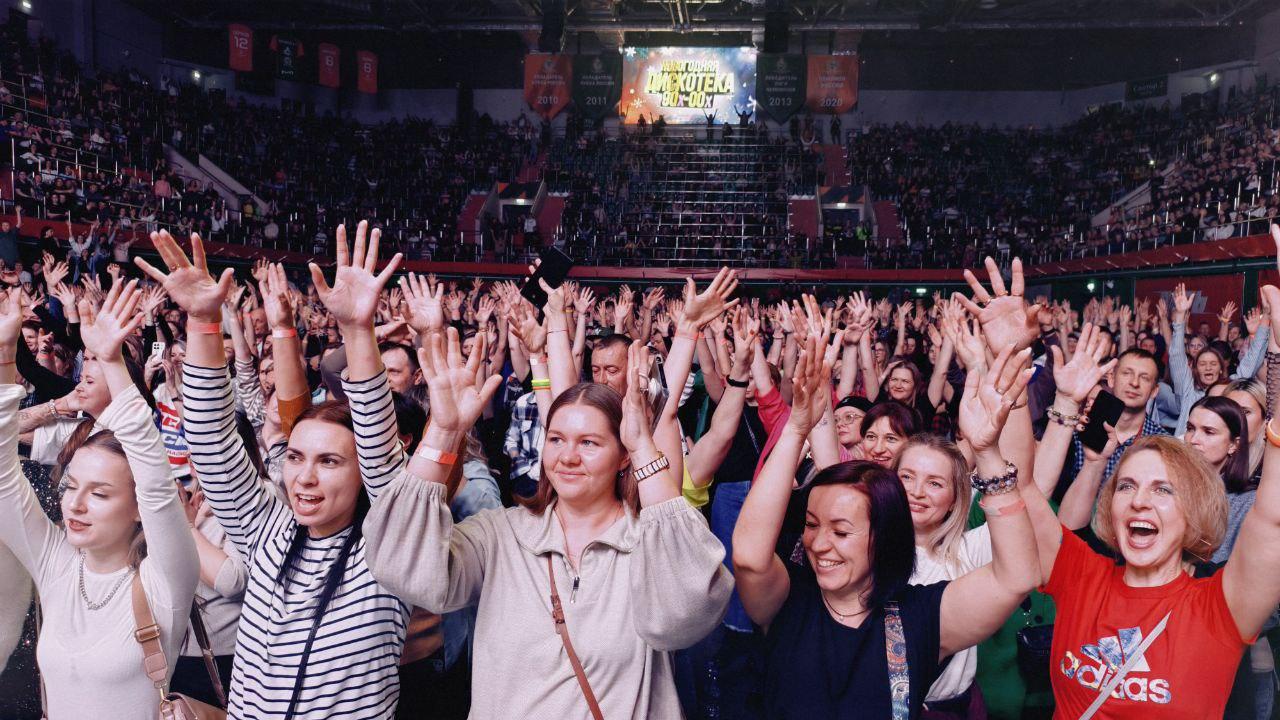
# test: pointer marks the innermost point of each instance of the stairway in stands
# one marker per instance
(693, 200)
(835, 166)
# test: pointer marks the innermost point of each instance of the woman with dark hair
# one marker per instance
(632, 571)
(1190, 384)
(318, 637)
(1218, 429)
(885, 427)
(117, 495)
(846, 636)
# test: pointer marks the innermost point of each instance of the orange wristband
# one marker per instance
(205, 328)
(1011, 509)
(1273, 437)
(285, 333)
(437, 456)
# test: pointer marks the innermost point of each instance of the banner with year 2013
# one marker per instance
(780, 85)
(833, 83)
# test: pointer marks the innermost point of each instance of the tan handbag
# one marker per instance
(173, 706)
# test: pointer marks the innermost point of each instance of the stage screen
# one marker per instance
(684, 84)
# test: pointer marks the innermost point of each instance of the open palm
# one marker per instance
(104, 330)
(188, 282)
(456, 400)
(988, 398)
(1007, 320)
(1076, 378)
(353, 297)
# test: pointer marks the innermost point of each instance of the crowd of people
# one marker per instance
(964, 191)
(353, 492)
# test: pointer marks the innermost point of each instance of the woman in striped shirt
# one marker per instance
(318, 637)
(117, 488)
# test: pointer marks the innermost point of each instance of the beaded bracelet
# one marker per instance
(1062, 418)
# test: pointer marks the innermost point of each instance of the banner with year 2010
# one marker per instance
(780, 85)
(833, 83)
(548, 82)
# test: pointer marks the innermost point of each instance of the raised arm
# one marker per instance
(1179, 366)
(170, 550)
(353, 301)
(293, 394)
(446, 567)
(762, 579)
(978, 603)
(711, 449)
(1250, 581)
(240, 501)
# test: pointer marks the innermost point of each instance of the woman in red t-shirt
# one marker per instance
(1162, 510)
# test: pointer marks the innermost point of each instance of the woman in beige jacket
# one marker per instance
(635, 568)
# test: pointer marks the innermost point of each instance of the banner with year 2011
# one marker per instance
(780, 85)
(548, 82)
(597, 84)
(833, 83)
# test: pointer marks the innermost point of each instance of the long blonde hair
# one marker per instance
(949, 539)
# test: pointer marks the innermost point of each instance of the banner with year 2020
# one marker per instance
(548, 82)
(597, 84)
(833, 83)
(780, 85)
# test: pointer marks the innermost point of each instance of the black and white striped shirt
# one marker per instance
(352, 671)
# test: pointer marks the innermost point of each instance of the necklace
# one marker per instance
(842, 616)
(114, 589)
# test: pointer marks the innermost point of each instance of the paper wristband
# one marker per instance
(285, 333)
(437, 456)
(205, 328)
(1010, 509)
(1273, 437)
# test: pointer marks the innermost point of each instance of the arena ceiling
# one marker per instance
(607, 16)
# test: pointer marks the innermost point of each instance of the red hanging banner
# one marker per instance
(547, 83)
(833, 83)
(327, 64)
(240, 47)
(366, 72)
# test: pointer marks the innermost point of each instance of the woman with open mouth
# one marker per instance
(124, 538)
(846, 635)
(1144, 638)
(318, 637)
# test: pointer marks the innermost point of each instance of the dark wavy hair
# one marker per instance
(904, 420)
(893, 537)
(1236, 475)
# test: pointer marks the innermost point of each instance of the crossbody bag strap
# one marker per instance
(147, 633)
(895, 652)
(206, 650)
(44, 695)
(302, 668)
(557, 615)
(1133, 659)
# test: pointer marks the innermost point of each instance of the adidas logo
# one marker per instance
(1099, 661)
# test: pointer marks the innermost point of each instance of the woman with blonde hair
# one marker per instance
(117, 495)
(935, 475)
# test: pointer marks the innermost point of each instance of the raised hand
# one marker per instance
(702, 308)
(276, 300)
(584, 300)
(188, 283)
(1253, 320)
(1227, 312)
(1007, 320)
(636, 430)
(353, 297)
(1076, 378)
(1182, 303)
(104, 330)
(152, 299)
(54, 272)
(525, 326)
(967, 340)
(807, 383)
(988, 398)
(11, 315)
(259, 272)
(652, 299)
(485, 311)
(424, 307)
(456, 401)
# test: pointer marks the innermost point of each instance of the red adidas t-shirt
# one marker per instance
(1186, 673)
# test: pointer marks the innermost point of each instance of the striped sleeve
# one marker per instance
(249, 393)
(240, 500)
(373, 416)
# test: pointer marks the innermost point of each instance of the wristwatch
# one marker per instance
(653, 468)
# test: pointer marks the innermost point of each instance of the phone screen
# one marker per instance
(1107, 408)
(554, 268)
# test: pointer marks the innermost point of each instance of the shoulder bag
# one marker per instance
(557, 616)
(173, 706)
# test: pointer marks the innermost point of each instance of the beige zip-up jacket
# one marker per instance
(647, 586)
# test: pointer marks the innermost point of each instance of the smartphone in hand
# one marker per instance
(554, 268)
(1107, 409)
